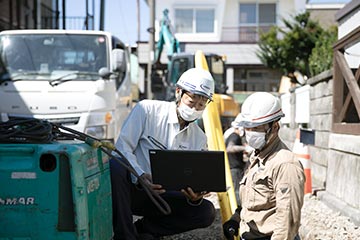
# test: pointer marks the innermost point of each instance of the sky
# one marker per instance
(120, 17)
(328, 1)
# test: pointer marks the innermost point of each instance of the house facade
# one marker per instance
(230, 28)
(324, 11)
(41, 14)
(30, 14)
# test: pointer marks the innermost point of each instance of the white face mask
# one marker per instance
(255, 140)
(189, 114)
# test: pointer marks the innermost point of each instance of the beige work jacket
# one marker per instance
(272, 194)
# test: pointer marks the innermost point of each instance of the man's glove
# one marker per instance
(231, 226)
(231, 229)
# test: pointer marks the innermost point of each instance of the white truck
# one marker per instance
(78, 78)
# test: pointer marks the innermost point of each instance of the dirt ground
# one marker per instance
(318, 222)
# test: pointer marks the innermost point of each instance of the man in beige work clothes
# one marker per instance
(272, 190)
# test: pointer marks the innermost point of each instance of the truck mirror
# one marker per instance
(105, 73)
(119, 60)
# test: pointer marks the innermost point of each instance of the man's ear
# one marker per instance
(177, 94)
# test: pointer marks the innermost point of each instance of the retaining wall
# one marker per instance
(335, 158)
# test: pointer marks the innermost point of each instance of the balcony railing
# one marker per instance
(243, 34)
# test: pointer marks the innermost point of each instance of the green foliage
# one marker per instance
(271, 50)
(321, 58)
(292, 51)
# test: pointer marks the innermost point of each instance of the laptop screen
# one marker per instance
(178, 169)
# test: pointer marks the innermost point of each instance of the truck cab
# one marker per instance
(80, 79)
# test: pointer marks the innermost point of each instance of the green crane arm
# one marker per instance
(166, 36)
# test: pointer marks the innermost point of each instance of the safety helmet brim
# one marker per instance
(250, 124)
(197, 81)
(258, 109)
(197, 93)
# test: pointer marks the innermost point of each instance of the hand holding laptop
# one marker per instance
(193, 196)
(188, 192)
(156, 187)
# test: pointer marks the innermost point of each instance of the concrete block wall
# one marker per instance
(320, 121)
(335, 158)
(321, 92)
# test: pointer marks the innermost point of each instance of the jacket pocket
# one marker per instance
(258, 193)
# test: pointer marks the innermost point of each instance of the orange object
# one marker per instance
(302, 152)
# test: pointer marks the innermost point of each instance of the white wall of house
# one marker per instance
(346, 25)
(288, 9)
(172, 5)
(226, 16)
(230, 22)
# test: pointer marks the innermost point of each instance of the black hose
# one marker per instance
(31, 130)
(26, 130)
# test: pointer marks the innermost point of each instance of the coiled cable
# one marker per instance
(26, 130)
(31, 130)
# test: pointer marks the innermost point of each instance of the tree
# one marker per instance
(321, 57)
(291, 52)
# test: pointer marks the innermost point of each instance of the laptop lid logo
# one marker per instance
(188, 171)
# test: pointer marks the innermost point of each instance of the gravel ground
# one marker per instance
(318, 222)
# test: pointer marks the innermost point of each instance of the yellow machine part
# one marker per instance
(226, 105)
(214, 133)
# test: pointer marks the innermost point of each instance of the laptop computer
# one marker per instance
(178, 169)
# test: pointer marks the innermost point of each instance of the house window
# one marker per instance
(194, 20)
(254, 19)
(255, 79)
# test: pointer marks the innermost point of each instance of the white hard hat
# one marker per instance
(258, 109)
(197, 81)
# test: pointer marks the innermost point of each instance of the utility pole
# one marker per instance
(38, 14)
(93, 15)
(87, 15)
(151, 31)
(57, 24)
(102, 13)
(64, 14)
